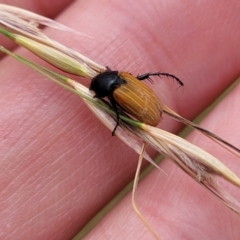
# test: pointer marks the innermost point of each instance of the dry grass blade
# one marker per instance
(21, 20)
(28, 24)
(200, 165)
(135, 183)
(207, 133)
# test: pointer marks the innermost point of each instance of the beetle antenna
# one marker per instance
(159, 74)
(172, 76)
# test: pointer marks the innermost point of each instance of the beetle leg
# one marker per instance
(147, 76)
(108, 69)
(113, 105)
(106, 102)
(115, 108)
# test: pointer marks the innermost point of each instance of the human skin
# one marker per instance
(60, 165)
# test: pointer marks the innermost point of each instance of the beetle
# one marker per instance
(130, 94)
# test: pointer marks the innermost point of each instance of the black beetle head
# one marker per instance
(104, 83)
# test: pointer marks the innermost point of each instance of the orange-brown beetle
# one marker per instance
(128, 93)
